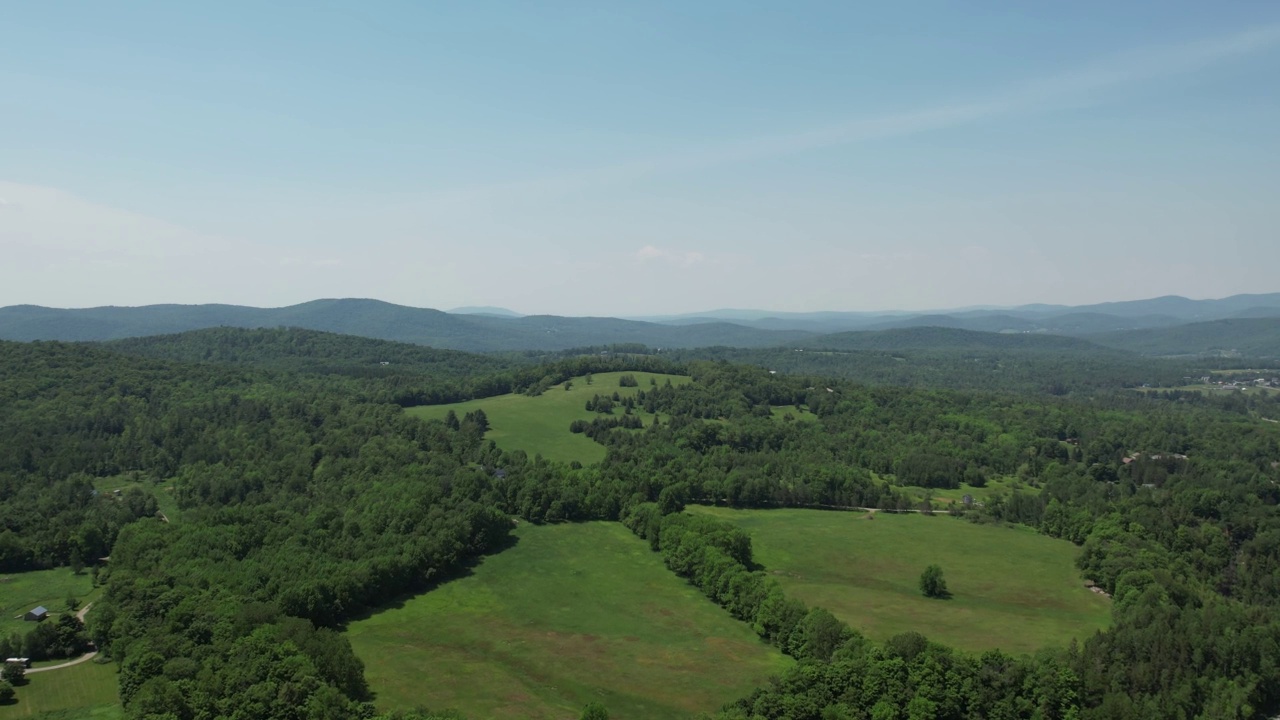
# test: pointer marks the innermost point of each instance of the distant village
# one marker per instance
(1242, 383)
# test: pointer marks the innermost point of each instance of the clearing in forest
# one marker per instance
(941, 497)
(541, 424)
(23, 591)
(87, 691)
(572, 613)
(1013, 589)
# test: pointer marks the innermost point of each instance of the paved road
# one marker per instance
(83, 658)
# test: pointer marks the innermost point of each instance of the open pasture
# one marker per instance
(1012, 588)
(941, 497)
(541, 424)
(20, 592)
(87, 691)
(570, 614)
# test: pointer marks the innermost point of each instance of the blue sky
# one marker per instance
(638, 158)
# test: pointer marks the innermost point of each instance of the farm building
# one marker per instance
(36, 614)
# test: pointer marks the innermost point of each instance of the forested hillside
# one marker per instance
(1021, 370)
(307, 498)
(1249, 337)
(297, 349)
(376, 319)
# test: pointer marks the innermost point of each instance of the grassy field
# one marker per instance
(571, 614)
(84, 692)
(541, 424)
(802, 415)
(163, 493)
(19, 592)
(1013, 589)
(997, 485)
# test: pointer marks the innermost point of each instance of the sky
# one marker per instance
(638, 158)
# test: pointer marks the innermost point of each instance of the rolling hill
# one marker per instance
(1252, 337)
(1057, 319)
(1242, 324)
(381, 320)
(934, 338)
(301, 350)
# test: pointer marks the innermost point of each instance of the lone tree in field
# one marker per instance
(594, 711)
(932, 584)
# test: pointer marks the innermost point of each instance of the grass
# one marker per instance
(1013, 589)
(20, 592)
(87, 691)
(571, 614)
(541, 424)
(1004, 485)
(802, 415)
(164, 494)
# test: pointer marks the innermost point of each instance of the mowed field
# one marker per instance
(1013, 589)
(20, 592)
(541, 424)
(87, 691)
(941, 497)
(570, 614)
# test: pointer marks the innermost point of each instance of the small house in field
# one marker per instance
(25, 662)
(36, 614)
(967, 500)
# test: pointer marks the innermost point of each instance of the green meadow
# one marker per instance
(163, 493)
(941, 497)
(541, 424)
(20, 592)
(87, 691)
(1012, 588)
(570, 614)
(780, 412)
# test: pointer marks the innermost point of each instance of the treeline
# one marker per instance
(1175, 504)
(412, 374)
(840, 674)
(1015, 370)
(300, 508)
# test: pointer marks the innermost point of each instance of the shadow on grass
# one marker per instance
(462, 570)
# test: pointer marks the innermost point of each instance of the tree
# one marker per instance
(6, 692)
(594, 711)
(568, 385)
(14, 673)
(932, 583)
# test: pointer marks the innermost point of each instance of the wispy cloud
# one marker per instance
(686, 258)
(1089, 84)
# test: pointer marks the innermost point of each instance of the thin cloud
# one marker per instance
(681, 258)
(1087, 85)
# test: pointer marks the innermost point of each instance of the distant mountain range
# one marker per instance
(381, 320)
(1056, 319)
(1243, 324)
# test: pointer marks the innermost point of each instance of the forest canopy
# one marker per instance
(307, 496)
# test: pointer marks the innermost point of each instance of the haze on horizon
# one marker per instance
(615, 159)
